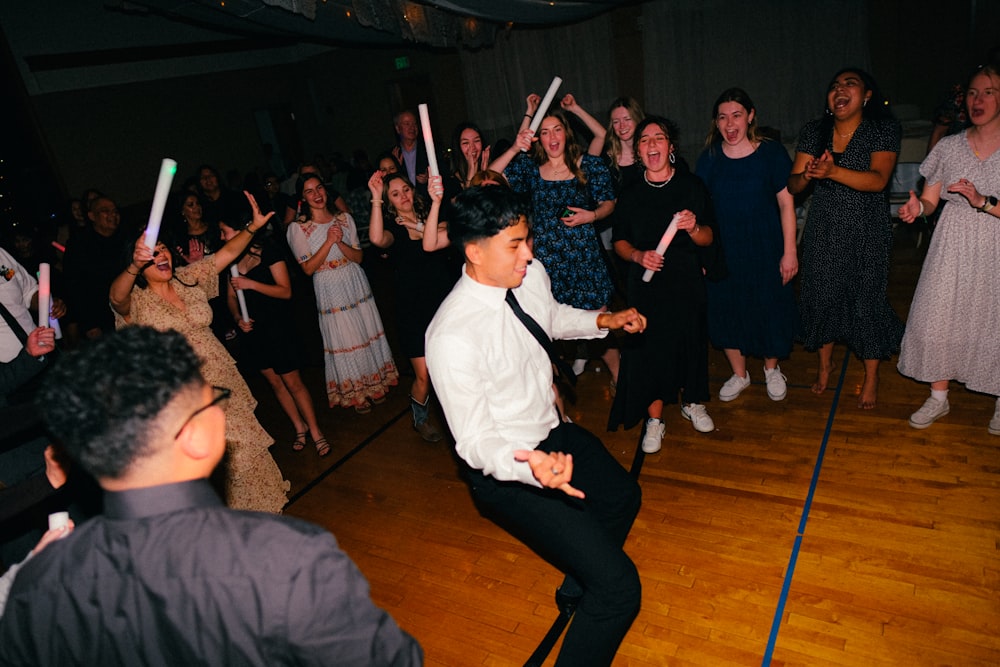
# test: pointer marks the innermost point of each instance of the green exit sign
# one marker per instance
(402, 62)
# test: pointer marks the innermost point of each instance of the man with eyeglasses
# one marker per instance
(168, 576)
(93, 259)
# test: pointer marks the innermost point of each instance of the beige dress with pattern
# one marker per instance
(253, 480)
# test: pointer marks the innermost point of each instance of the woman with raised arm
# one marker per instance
(269, 342)
(751, 312)
(848, 156)
(421, 274)
(359, 365)
(953, 331)
(570, 191)
(152, 292)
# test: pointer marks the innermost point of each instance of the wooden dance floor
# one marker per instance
(803, 532)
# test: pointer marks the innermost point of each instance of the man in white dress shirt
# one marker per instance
(553, 485)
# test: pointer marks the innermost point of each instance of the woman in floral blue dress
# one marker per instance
(569, 192)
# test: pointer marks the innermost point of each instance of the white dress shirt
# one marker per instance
(17, 286)
(493, 378)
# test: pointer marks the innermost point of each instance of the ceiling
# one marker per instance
(443, 23)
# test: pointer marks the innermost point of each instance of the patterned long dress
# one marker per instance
(846, 246)
(572, 256)
(953, 331)
(358, 361)
(253, 480)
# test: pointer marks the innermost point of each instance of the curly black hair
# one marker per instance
(102, 401)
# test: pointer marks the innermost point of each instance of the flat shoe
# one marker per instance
(364, 408)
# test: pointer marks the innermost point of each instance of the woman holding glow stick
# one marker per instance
(670, 358)
(268, 337)
(570, 192)
(150, 291)
(421, 274)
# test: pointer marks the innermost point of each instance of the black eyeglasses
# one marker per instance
(220, 396)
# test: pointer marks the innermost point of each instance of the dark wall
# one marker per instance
(114, 137)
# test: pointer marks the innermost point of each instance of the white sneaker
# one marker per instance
(653, 440)
(930, 412)
(579, 365)
(734, 386)
(698, 416)
(995, 422)
(777, 384)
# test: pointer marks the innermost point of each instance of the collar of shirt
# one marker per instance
(163, 499)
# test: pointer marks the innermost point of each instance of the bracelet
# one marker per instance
(921, 213)
(988, 203)
(376, 201)
(249, 231)
(528, 115)
(130, 273)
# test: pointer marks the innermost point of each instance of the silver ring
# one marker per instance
(556, 472)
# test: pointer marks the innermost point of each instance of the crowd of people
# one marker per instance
(567, 231)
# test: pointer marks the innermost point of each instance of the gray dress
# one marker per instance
(953, 332)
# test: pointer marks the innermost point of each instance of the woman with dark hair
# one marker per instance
(189, 235)
(670, 359)
(468, 157)
(266, 336)
(422, 276)
(359, 365)
(152, 292)
(848, 156)
(953, 331)
(570, 191)
(752, 310)
(624, 115)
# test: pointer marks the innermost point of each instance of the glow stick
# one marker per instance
(662, 246)
(54, 323)
(58, 520)
(544, 106)
(44, 294)
(425, 126)
(167, 170)
(235, 273)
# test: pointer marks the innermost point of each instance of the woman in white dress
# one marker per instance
(953, 332)
(359, 365)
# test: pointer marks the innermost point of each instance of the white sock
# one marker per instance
(939, 394)
(653, 420)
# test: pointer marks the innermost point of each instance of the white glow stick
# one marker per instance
(44, 294)
(54, 323)
(58, 520)
(167, 170)
(544, 106)
(662, 246)
(425, 126)
(235, 273)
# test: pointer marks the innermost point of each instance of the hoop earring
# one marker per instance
(673, 157)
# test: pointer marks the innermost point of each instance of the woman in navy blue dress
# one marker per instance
(752, 311)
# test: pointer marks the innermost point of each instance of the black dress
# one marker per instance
(671, 355)
(846, 246)
(273, 343)
(423, 280)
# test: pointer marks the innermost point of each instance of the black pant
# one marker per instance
(582, 538)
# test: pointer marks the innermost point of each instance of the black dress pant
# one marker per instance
(581, 537)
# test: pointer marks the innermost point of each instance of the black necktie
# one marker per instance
(543, 339)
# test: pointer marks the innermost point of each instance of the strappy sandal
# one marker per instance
(364, 408)
(300, 441)
(322, 447)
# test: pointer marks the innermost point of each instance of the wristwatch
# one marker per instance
(988, 204)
